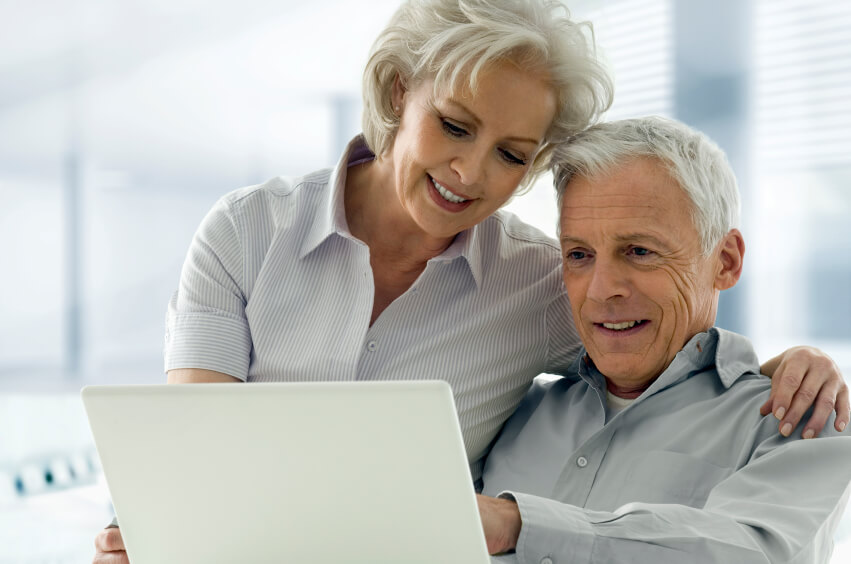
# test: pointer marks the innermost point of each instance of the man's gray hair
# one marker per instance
(698, 165)
(451, 41)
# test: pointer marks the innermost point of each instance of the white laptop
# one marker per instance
(297, 473)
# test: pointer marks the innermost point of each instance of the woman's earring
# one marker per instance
(396, 109)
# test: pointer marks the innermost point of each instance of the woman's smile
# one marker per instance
(458, 156)
(447, 198)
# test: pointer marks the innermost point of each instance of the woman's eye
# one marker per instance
(512, 158)
(454, 130)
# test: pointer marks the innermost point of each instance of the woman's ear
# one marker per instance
(397, 95)
(731, 255)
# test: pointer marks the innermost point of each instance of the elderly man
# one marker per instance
(654, 450)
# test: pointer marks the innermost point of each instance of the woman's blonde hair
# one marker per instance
(454, 40)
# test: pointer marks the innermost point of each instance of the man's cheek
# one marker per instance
(681, 286)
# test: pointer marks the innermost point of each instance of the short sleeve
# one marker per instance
(206, 326)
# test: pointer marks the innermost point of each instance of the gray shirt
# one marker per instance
(689, 472)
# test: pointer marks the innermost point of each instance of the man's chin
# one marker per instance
(627, 373)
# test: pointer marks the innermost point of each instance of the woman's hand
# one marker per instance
(802, 377)
(110, 547)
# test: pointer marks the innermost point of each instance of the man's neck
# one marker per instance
(625, 392)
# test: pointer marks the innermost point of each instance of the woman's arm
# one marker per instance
(201, 376)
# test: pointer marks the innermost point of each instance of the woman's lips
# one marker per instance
(442, 201)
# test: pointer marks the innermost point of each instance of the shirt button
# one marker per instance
(582, 462)
(371, 346)
(546, 560)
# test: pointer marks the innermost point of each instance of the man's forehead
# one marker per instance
(579, 205)
(620, 215)
(637, 188)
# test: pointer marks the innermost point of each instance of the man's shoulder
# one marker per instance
(735, 358)
(727, 376)
(745, 396)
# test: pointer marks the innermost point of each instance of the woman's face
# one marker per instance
(458, 157)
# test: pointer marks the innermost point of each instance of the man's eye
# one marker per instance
(640, 252)
(575, 255)
(454, 130)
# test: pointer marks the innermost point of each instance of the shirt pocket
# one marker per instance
(670, 477)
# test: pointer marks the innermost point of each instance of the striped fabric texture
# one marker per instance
(276, 289)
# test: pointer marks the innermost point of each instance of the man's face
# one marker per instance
(638, 283)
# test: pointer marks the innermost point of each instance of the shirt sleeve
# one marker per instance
(206, 326)
(779, 508)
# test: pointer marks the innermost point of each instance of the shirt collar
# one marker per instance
(331, 218)
(732, 356)
(735, 356)
(466, 246)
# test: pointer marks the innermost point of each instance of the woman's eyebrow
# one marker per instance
(459, 105)
(478, 122)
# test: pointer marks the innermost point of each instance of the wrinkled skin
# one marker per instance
(632, 255)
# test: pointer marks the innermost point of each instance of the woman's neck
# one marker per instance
(376, 217)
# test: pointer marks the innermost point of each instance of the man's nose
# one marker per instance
(608, 280)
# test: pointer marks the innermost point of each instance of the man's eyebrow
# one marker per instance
(567, 239)
(644, 237)
(625, 238)
(478, 122)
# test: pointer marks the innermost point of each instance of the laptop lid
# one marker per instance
(296, 472)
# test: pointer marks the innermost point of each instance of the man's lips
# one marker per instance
(621, 328)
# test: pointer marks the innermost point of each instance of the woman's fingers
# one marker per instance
(807, 378)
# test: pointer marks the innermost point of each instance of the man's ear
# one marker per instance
(397, 94)
(731, 255)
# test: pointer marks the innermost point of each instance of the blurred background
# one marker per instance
(122, 122)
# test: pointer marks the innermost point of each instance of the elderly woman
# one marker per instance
(398, 264)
